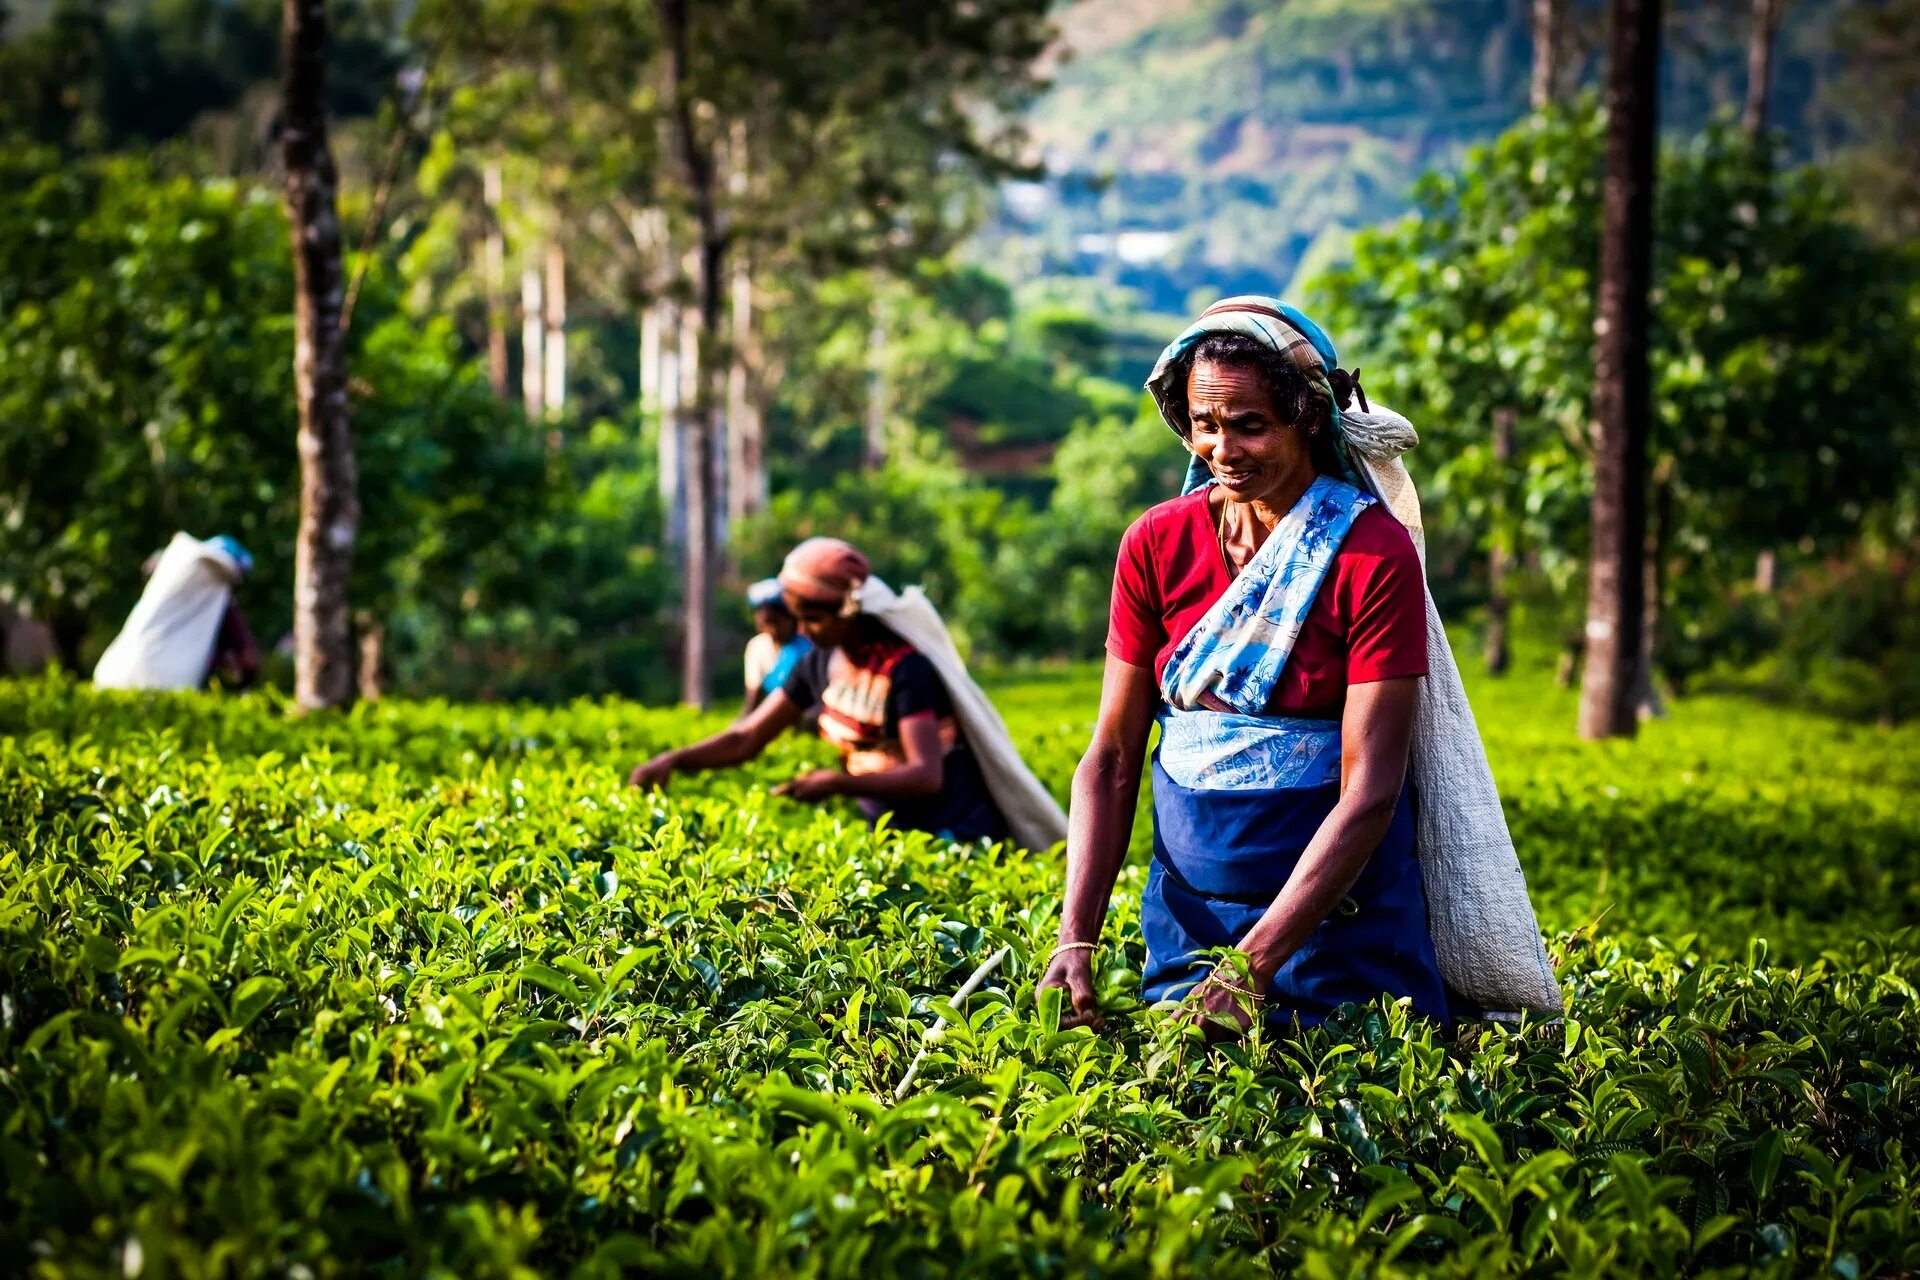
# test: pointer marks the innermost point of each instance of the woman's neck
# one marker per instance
(1267, 510)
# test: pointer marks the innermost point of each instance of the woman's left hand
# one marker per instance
(1220, 1013)
(817, 785)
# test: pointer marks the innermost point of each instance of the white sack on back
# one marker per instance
(169, 637)
(1484, 932)
(1032, 814)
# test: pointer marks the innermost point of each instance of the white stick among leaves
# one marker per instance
(938, 1031)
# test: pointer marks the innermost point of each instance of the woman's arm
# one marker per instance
(1374, 735)
(736, 744)
(1106, 789)
(923, 774)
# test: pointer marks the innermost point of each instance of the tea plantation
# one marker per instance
(425, 989)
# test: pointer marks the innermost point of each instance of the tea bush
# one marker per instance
(425, 989)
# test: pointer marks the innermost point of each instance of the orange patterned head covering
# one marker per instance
(824, 569)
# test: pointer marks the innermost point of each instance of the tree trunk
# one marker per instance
(649, 232)
(371, 674)
(673, 445)
(1647, 701)
(27, 642)
(652, 324)
(1622, 397)
(496, 281)
(1500, 553)
(1547, 43)
(1766, 23)
(329, 483)
(696, 160)
(533, 342)
(1766, 571)
(1566, 672)
(554, 356)
(746, 444)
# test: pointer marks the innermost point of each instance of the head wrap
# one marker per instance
(824, 569)
(241, 558)
(1271, 323)
(763, 593)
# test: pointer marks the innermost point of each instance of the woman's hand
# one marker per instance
(1072, 972)
(1220, 1012)
(814, 786)
(654, 773)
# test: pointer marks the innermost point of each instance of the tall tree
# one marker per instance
(1548, 41)
(746, 420)
(1760, 39)
(533, 340)
(693, 151)
(554, 359)
(495, 283)
(329, 483)
(1622, 389)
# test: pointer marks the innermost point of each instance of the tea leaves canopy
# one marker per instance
(425, 988)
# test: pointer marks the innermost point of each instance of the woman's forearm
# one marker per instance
(1106, 788)
(723, 750)
(1328, 868)
(902, 781)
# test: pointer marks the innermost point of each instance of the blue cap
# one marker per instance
(764, 592)
(235, 551)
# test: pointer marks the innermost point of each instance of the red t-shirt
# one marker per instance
(1368, 623)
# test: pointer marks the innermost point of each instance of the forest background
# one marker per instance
(915, 266)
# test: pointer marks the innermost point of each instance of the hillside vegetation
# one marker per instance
(1222, 146)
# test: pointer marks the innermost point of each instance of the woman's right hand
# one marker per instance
(1072, 972)
(653, 773)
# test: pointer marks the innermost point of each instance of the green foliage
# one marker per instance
(424, 987)
(585, 598)
(1008, 578)
(146, 386)
(100, 74)
(1782, 352)
(1840, 637)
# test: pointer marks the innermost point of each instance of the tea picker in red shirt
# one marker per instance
(917, 738)
(1274, 622)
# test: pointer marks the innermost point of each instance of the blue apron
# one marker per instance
(1219, 860)
(1239, 794)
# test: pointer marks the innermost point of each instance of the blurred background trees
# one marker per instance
(644, 291)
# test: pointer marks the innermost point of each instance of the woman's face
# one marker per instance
(1237, 433)
(820, 622)
(774, 621)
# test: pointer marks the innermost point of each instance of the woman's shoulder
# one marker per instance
(1162, 518)
(1376, 535)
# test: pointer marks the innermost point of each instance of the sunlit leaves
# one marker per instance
(426, 987)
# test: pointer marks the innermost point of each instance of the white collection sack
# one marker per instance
(1484, 932)
(169, 637)
(1030, 810)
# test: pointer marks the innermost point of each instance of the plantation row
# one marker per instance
(426, 988)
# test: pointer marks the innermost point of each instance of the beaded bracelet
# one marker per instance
(1065, 947)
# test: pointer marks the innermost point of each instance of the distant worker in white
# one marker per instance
(186, 628)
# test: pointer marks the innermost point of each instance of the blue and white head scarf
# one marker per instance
(1275, 324)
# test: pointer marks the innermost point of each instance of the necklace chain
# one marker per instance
(1220, 535)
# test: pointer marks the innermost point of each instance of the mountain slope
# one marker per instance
(1213, 145)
